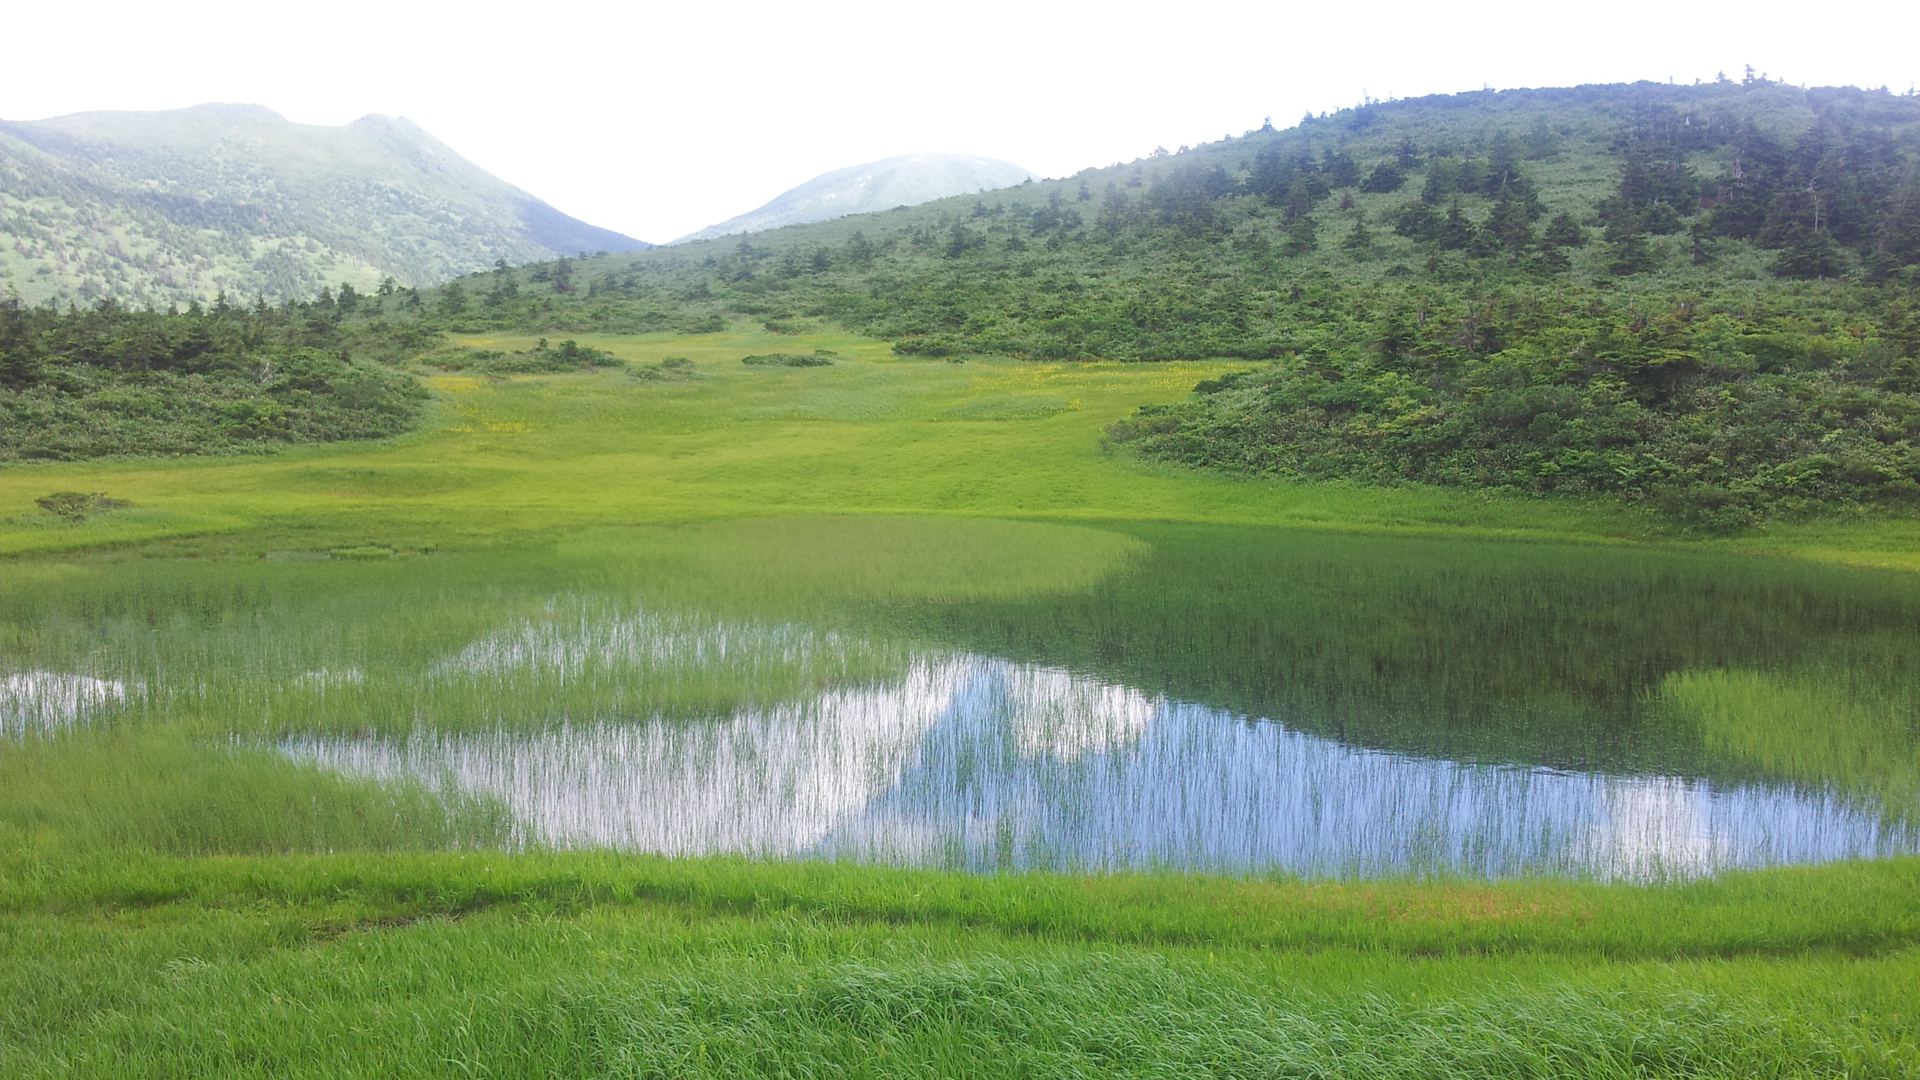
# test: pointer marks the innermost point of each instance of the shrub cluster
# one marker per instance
(1715, 416)
(87, 383)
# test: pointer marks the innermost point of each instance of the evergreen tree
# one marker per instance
(1359, 242)
(1700, 242)
(1386, 177)
(1302, 236)
(1299, 200)
(1503, 169)
(1813, 255)
(1417, 221)
(859, 249)
(1627, 249)
(1339, 168)
(1456, 231)
(1541, 141)
(1564, 232)
(1270, 176)
(1897, 242)
(1550, 260)
(1511, 223)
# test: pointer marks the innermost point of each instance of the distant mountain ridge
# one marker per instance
(181, 205)
(907, 180)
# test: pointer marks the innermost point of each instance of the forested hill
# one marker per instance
(1702, 296)
(170, 207)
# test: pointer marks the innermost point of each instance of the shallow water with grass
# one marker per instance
(989, 695)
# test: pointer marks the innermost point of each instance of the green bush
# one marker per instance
(89, 383)
(817, 358)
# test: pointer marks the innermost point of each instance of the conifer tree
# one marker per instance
(1627, 249)
(1456, 231)
(1303, 236)
(1564, 232)
(1385, 177)
(1360, 241)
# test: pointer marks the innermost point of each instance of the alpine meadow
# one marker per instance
(1429, 591)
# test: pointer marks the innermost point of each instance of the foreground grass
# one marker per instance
(585, 965)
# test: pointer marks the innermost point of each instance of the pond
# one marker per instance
(995, 696)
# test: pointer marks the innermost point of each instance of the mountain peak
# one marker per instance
(903, 180)
(232, 112)
(236, 198)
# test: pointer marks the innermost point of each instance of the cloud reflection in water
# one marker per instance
(985, 763)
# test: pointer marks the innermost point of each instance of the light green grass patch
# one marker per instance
(1822, 732)
(505, 458)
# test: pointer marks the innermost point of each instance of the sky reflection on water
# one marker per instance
(983, 763)
(51, 700)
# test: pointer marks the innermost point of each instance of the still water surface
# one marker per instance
(984, 763)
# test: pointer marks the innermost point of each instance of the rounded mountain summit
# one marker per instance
(907, 180)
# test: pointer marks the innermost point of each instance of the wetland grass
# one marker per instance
(445, 965)
(182, 895)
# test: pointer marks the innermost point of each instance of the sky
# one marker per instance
(658, 119)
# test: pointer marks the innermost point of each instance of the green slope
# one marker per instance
(166, 207)
(1700, 297)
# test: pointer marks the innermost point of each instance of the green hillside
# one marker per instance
(1697, 296)
(167, 207)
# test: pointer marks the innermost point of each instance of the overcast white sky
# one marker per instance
(657, 119)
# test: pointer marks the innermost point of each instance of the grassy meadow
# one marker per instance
(176, 898)
(505, 458)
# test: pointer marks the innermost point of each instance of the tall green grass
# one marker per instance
(588, 965)
(688, 621)
(78, 794)
(1820, 733)
(1858, 909)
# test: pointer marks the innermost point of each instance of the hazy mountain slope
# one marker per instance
(166, 207)
(908, 180)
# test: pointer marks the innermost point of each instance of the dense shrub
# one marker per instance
(1693, 411)
(88, 383)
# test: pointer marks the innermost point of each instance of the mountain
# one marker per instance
(908, 180)
(169, 207)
